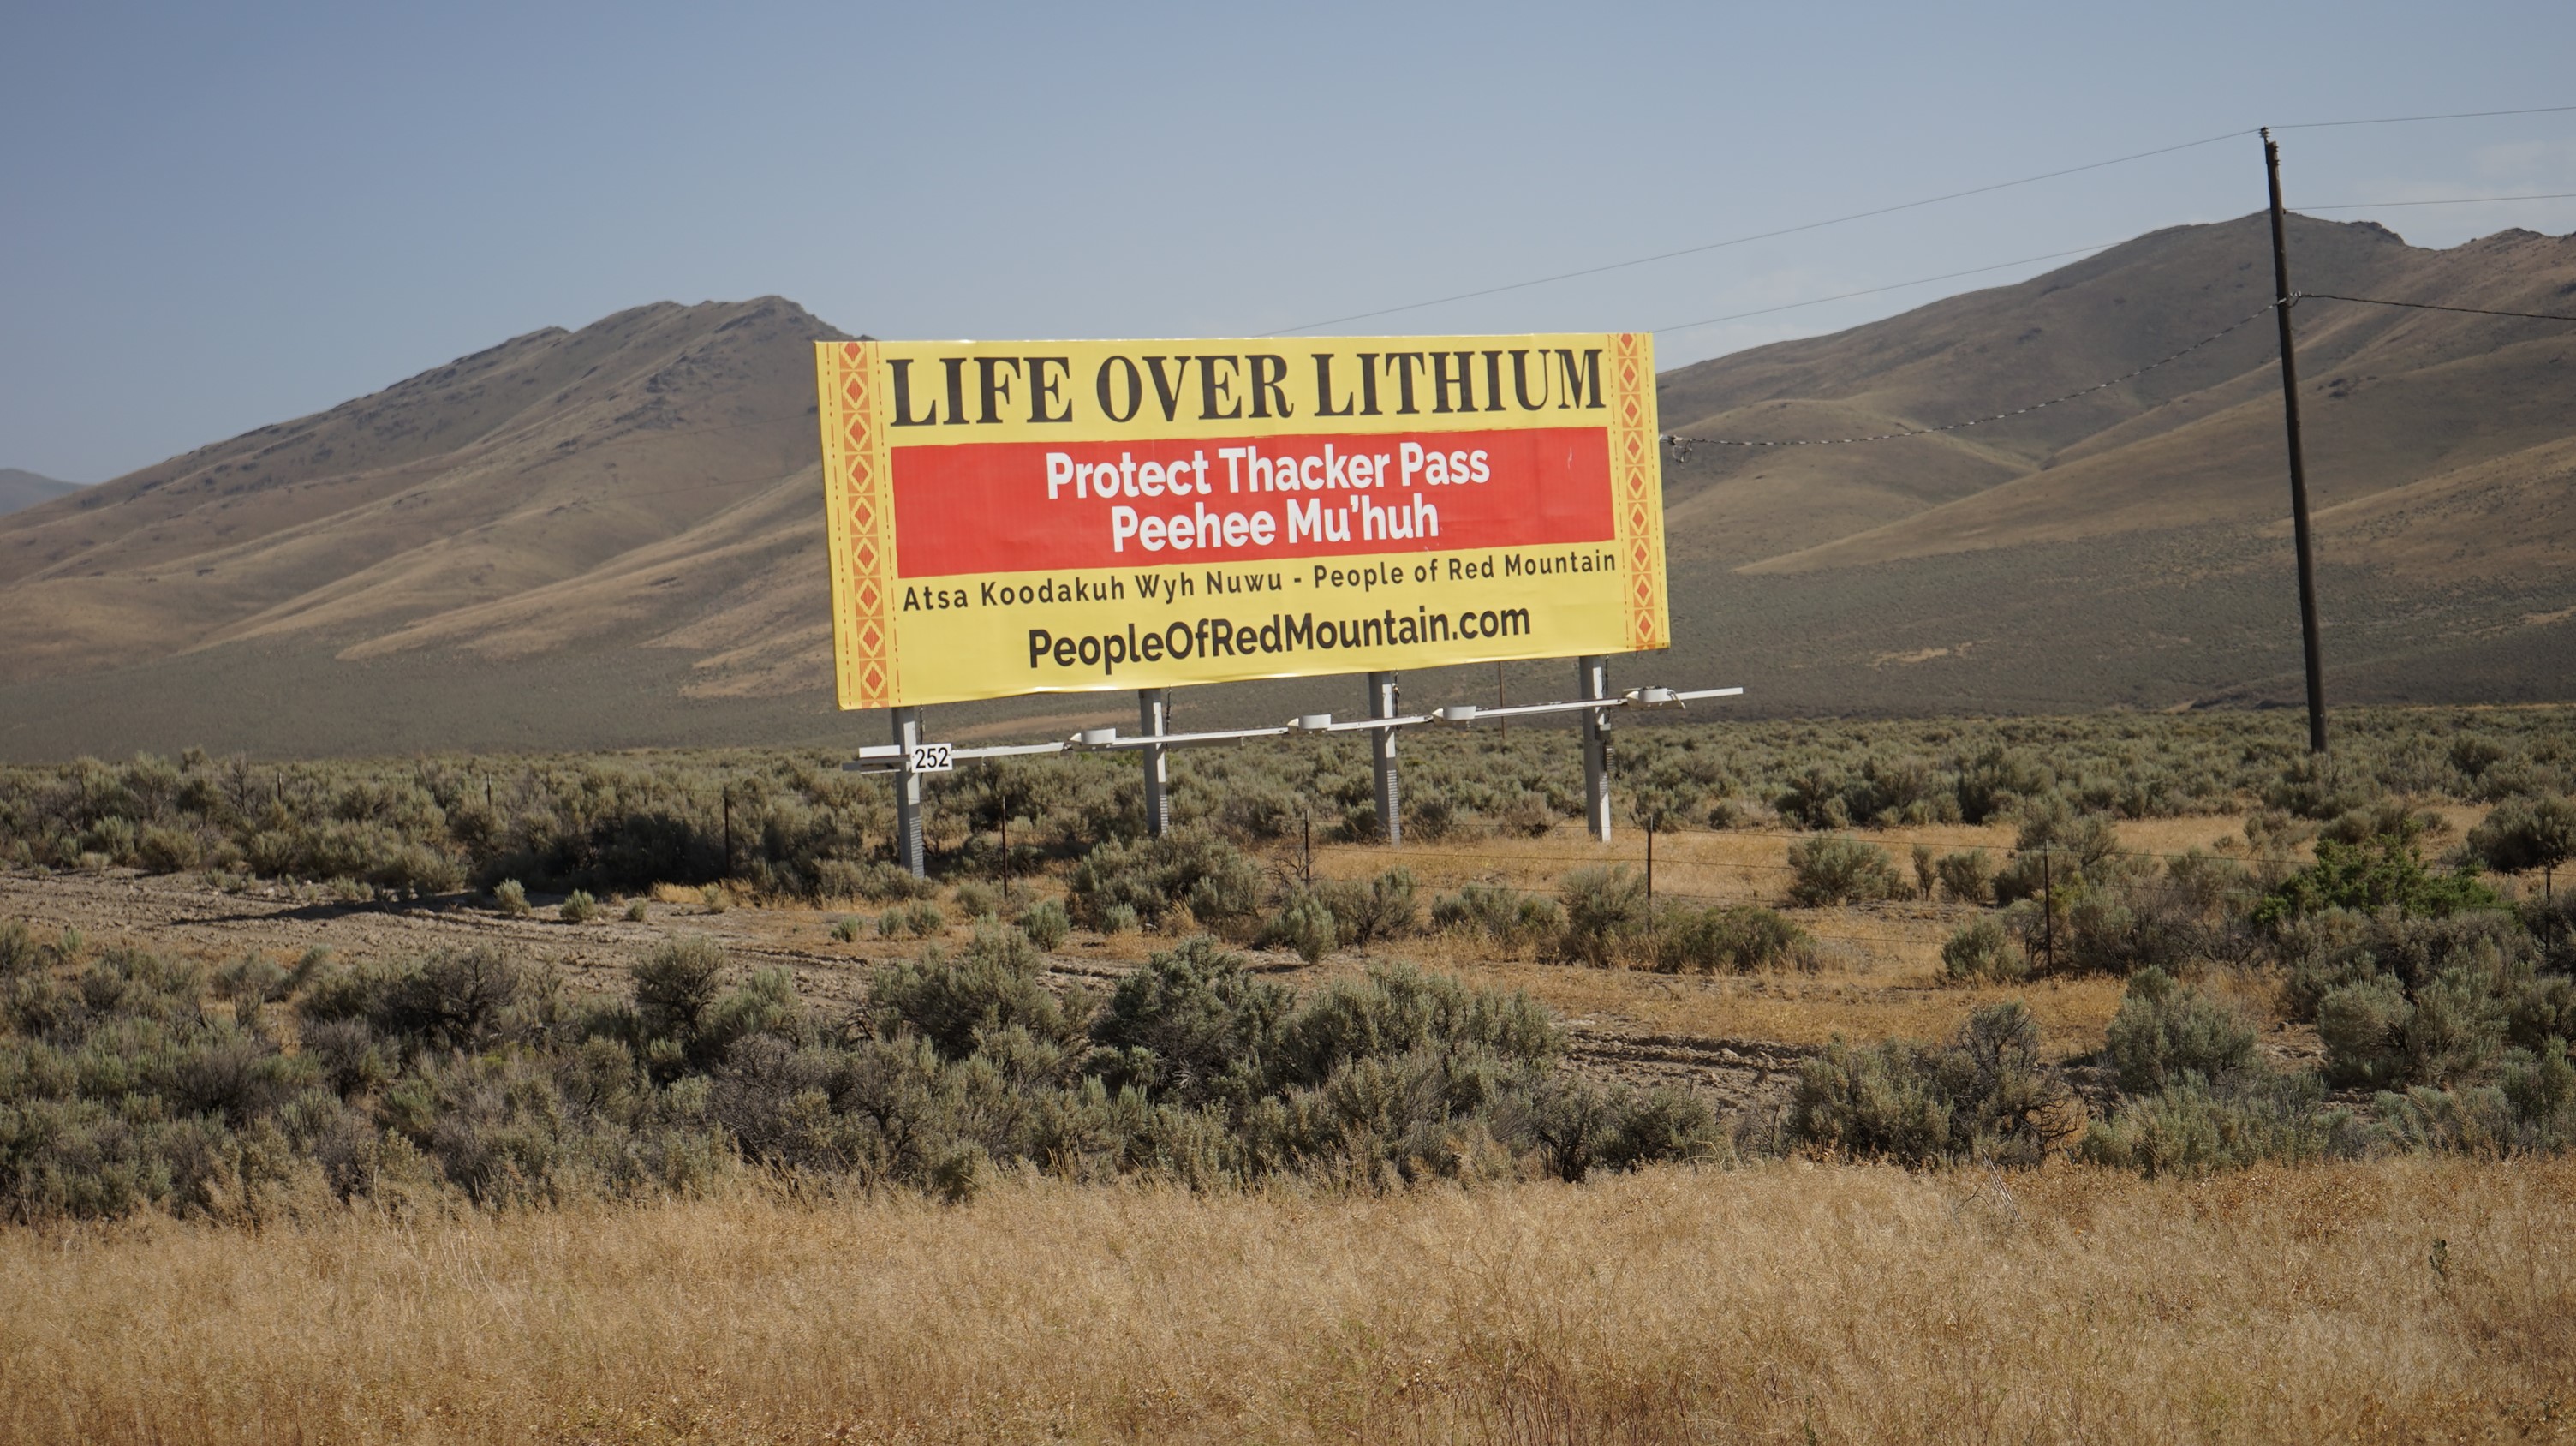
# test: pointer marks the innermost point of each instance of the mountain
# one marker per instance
(21, 489)
(2400, 395)
(612, 537)
(554, 456)
(2131, 545)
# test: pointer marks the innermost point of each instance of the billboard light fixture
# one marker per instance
(889, 758)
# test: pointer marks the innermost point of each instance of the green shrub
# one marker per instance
(1506, 916)
(2319, 786)
(2541, 1010)
(1398, 1009)
(638, 910)
(975, 901)
(2382, 874)
(1731, 939)
(1966, 877)
(1838, 870)
(1156, 876)
(512, 898)
(1605, 913)
(878, 882)
(2522, 834)
(1046, 925)
(847, 929)
(675, 984)
(1365, 913)
(2339, 946)
(161, 850)
(918, 920)
(2378, 1034)
(1304, 924)
(1983, 952)
(1192, 1025)
(1982, 1096)
(455, 999)
(19, 951)
(473, 1075)
(995, 984)
(1583, 1127)
(579, 908)
(2540, 1084)
(2193, 1128)
(715, 898)
(2166, 1032)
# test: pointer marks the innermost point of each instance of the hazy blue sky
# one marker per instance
(219, 217)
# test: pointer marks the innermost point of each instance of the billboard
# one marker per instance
(1022, 517)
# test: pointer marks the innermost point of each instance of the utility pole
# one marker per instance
(2281, 296)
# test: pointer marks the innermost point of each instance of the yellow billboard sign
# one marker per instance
(1022, 517)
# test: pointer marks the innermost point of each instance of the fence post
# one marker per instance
(1592, 680)
(907, 793)
(2047, 910)
(1381, 688)
(1153, 715)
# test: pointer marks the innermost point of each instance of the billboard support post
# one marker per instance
(1153, 717)
(907, 792)
(1382, 704)
(1592, 680)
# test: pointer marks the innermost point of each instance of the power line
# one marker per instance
(1891, 286)
(2452, 201)
(1764, 235)
(2391, 120)
(1682, 444)
(1908, 206)
(2432, 306)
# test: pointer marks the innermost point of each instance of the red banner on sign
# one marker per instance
(1031, 507)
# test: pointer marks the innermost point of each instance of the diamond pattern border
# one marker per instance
(859, 516)
(1636, 488)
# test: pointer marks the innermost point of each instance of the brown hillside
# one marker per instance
(20, 489)
(506, 471)
(2393, 397)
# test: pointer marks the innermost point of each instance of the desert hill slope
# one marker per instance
(21, 489)
(2393, 396)
(612, 536)
(505, 471)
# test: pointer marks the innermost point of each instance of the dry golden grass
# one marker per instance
(2411, 1300)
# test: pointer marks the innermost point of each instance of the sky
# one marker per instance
(223, 217)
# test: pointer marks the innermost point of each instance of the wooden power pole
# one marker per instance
(2281, 297)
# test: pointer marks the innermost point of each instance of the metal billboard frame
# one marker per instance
(1153, 742)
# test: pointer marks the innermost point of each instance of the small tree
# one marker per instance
(2527, 833)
